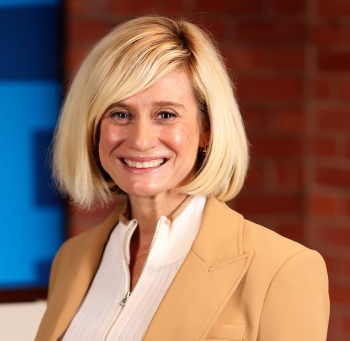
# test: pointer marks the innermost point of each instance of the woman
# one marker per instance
(151, 114)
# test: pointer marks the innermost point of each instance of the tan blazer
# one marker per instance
(240, 281)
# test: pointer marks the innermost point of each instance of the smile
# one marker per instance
(148, 164)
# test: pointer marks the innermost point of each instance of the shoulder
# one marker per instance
(275, 251)
(232, 231)
(94, 237)
(284, 281)
(282, 260)
(77, 244)
(76, 249)
(270, 251)
(264, 241)
(70, 251)
(291, 282)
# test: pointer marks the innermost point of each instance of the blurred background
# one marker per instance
(290, 63)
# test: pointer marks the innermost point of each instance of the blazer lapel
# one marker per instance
(75, 282)
(207, 278)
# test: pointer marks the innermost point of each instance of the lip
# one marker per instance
(143, 170)
(142, 158)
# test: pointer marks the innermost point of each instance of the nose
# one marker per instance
(143, 136)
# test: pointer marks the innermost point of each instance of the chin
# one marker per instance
(143, 191)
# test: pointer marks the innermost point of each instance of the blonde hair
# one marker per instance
(133, 56)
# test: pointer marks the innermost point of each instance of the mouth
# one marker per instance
(147, 164)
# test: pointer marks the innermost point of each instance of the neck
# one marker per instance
(148, 210)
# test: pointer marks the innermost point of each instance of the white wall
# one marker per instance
(20, 321)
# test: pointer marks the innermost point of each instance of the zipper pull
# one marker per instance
(123, 301)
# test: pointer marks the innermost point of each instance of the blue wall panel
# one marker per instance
(31, 212)
(29, 43)
(25, 3)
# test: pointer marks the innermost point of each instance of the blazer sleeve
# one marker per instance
(61, 263)
(296, 306)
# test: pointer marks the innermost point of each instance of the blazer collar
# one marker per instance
(207, 278)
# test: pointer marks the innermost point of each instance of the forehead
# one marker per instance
(171, 90)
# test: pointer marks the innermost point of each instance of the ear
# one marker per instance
(204, 138)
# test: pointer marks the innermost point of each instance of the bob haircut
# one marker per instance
(133, 56)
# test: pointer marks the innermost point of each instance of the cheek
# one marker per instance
(185, 141)
(109, 139)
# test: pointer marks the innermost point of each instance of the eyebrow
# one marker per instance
(155, 104)
(169, 103)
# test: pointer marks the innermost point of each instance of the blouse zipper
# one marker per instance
(122, 303)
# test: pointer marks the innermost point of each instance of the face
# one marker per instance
(149, 142)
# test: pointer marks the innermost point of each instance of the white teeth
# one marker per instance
(148, 164)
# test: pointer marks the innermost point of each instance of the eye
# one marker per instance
(120, 115)
(166, 115)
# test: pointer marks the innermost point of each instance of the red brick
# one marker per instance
(97, 210)
(288, 58)
(339, 294)
(321, 89)
(334, 61)
(326, 34)
(323, 205)
(347, 266)
(334, 8)
(74, 56)
(334, 235)
(255, 119)
(135, 7)
(344, 89)
(255, 177)
(346, 325)
(331, 263)
(288, 120)
(290, 175)
(347, 150)
(270, 32)
(269, 204)
(76, 6)
(231, 6)
(81, 221)
(244, 59)
(338, 177)
(173, 6)
(87, 30)
(288, 6)
(74, 230)
(332, 334)
(346, 33)
(292, 231)
(334, 325)
(216, 28)
(333, 120)
(323, 146)
(98, 6)
(269, 88)
(347, 207)
(279, 146)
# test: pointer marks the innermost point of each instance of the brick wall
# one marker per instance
(290, 61)
(327, 168)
